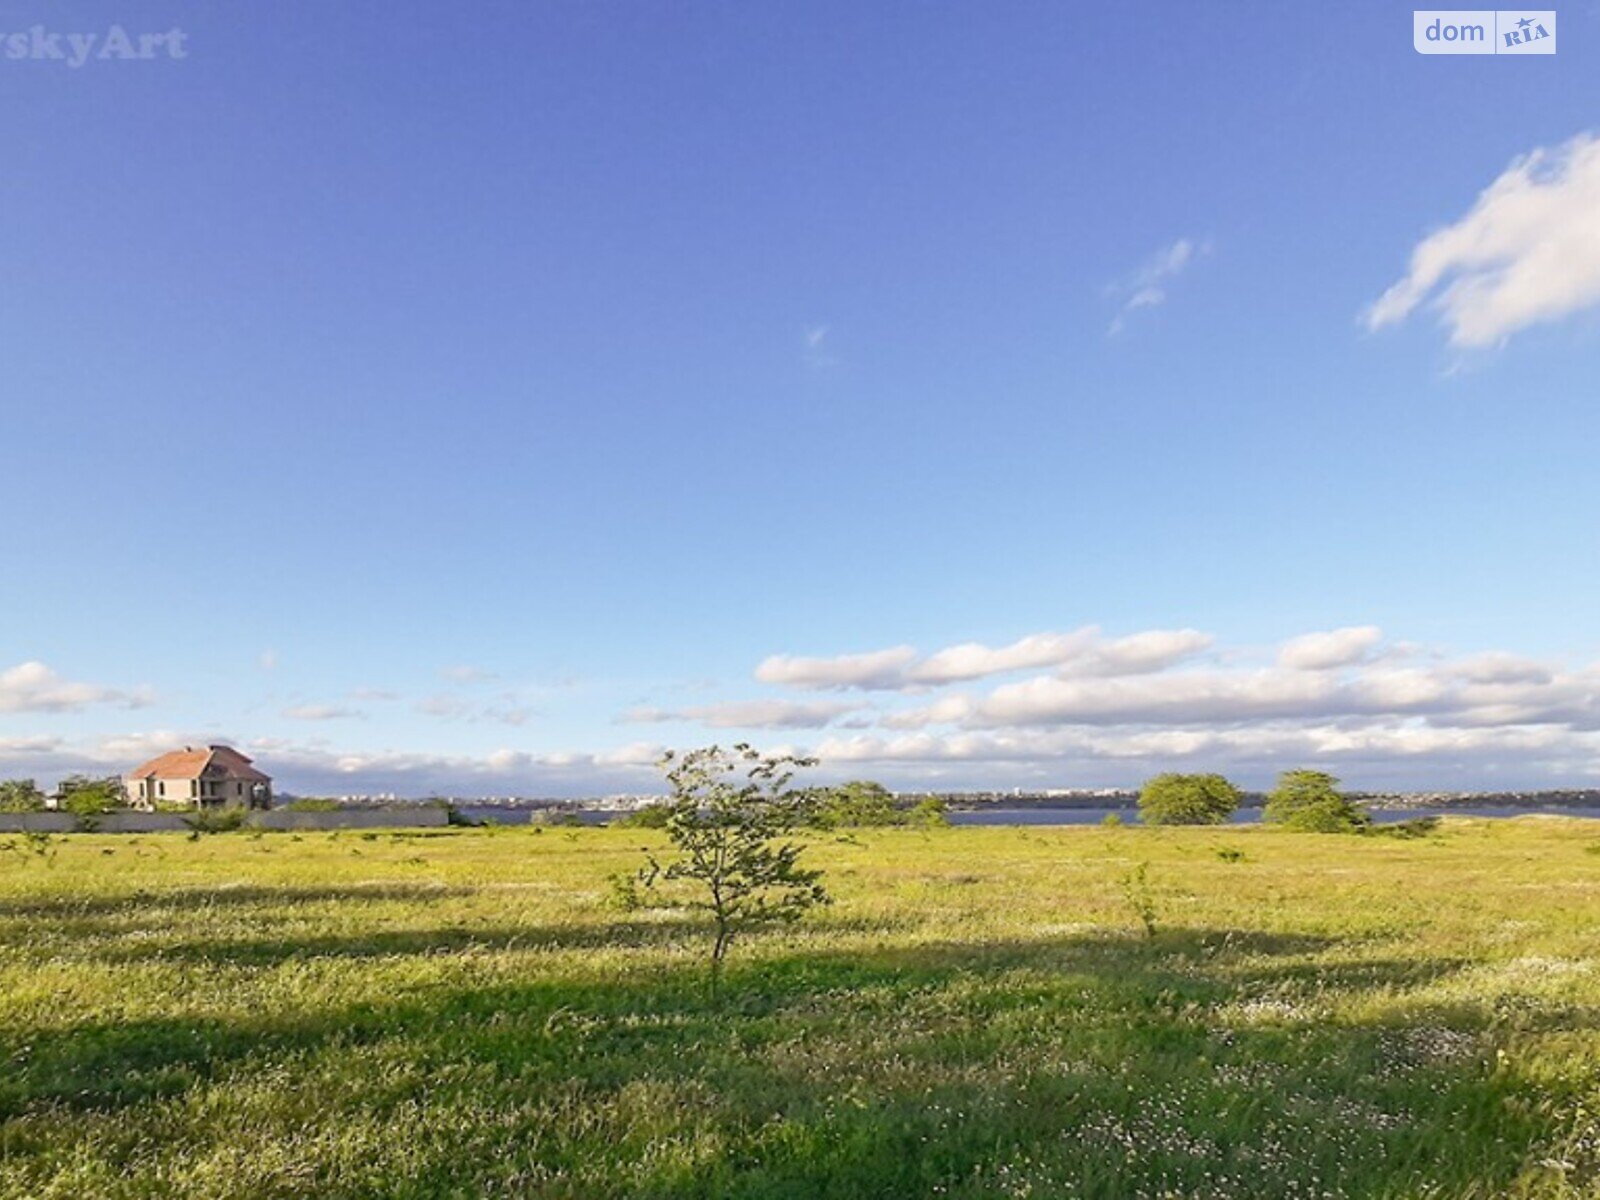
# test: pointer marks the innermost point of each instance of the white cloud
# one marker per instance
(1083, 651)
(1181, 698)
(1148, 286)
(1091, 710)
(1139, 653)
(320, 712)
(749, 714)
(878, 669)
(34, 687)
(1335, 648)
(464, 673)
(1059, 709)
(973, 660)
(1527, 252)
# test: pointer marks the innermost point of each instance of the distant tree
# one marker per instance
(646, 816)
(931, 812)
(1173, 799)
(88, 797)
(730, 816)
(1311, 802)
(20, 795)
(859, 802)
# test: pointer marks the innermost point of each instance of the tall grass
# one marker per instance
(983, 1012)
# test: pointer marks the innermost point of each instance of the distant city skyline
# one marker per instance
(483, 406)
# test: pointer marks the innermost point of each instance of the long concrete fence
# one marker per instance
(131, 821)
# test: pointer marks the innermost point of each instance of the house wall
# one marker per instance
(146, 793)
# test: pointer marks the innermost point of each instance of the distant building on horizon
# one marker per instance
(206, 778)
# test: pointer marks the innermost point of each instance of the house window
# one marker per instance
(161, 788)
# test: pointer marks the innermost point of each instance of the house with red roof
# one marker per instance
(209, 777)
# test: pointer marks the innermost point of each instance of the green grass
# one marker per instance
(981, 1013)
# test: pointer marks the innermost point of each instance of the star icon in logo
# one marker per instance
(1524, 23)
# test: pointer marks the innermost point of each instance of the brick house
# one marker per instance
(206, 778)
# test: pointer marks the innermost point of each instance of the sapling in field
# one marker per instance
(730, 818)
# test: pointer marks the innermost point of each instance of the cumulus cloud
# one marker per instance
(878, 669)
(1053, 709)
(1325, 651)
(1138, 653)
(1148, 286)
(1527, 252)
(1404, 753)
(34, 687)
(749, 714)
(973, 660)
(1084, 651)
(1088, 709)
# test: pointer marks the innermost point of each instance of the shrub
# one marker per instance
(931, 812)
(647, 816)
(1310, 802)
(1416, 827)
(1187, 800)
(1112, 820)
(20, 795)
(859, 802)
(217, 820)
(85, 797)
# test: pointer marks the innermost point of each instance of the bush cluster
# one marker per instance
(1303, 800)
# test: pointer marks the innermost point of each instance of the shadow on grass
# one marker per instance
(75, 906)
(893, 1071)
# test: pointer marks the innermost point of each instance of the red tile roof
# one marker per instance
(214, 762)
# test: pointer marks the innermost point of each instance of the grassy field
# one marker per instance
(980, 1013)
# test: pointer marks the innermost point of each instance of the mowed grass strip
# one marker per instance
(980, 1013)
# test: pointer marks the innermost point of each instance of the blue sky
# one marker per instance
(483, 397)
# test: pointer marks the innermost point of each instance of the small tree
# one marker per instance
(87, 797)
(1310, 802)
(20, 795)
(728, 817)
(1173, 799)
